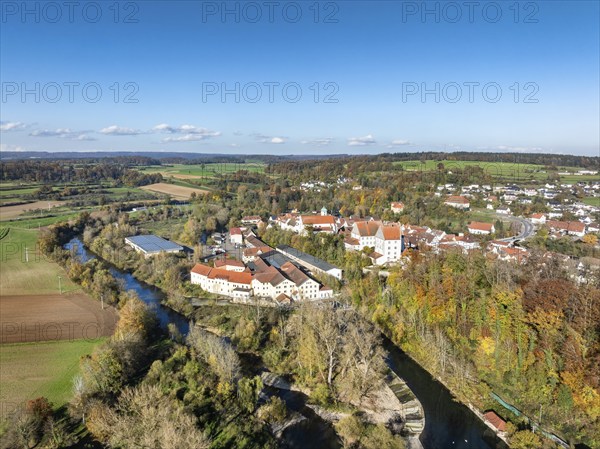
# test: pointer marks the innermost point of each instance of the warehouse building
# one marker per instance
(150, 245)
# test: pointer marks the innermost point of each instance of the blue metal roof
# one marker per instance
(153, 243)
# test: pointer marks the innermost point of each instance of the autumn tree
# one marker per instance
(145, 416)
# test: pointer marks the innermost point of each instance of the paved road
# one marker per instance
(527, 228)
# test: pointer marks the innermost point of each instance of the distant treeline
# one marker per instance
(357, 166)
(148, 158)
(53, 171)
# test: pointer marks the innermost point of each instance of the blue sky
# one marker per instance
(531, 68)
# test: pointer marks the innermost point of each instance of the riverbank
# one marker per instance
(446, 421)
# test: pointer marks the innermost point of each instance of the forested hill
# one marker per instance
(173, 157)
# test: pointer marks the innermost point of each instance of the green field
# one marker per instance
(23, 194)
(13, 192)
(504, 170)
(28, 222)
(170, 229)
(30, 370)
(19, 277)
(592, 201)
(204, 170)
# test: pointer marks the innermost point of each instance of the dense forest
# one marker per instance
(47, 172)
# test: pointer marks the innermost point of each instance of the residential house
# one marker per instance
(397, 207)
(389, 244)
(479, 228)
(574, 228)
(363, 233)
(251, 220)
(299, 223)
(235, 236)
(251, 254)
(538, 218)
(458, 202)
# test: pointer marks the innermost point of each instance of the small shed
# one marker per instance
(495, 420)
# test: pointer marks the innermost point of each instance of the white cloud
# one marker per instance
(262, 138)
(9, 147)
(115, 130)
(63, 133)
(324, 142)
(184, 138)
(361, 141)
(399, 143)
(186, 130)
(11, 126)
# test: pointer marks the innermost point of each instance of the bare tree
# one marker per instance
(145, 417)
(217, 353)
(362, 357)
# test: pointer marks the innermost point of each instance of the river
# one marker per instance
(448, 424)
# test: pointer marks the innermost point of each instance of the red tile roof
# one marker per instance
(457, 199)
(351, 241)
(367, 228)
(318, 220)
(391, 232)
(270, 276)
(251, 252)
(477, 225)
(375, 255)
(219, 273)
(294, 273)
(231, 262)
(495, 420)
(200, 269)
(569, 226)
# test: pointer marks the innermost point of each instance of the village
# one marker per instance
(241, 267)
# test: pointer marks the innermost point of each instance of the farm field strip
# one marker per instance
(198, 171)
(35, 318)
(36, 276)
(8, 212)
(514, 170)
(178, 192)
(30, 370)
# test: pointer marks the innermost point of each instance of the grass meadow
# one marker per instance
(31, 370)
(19, 277)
